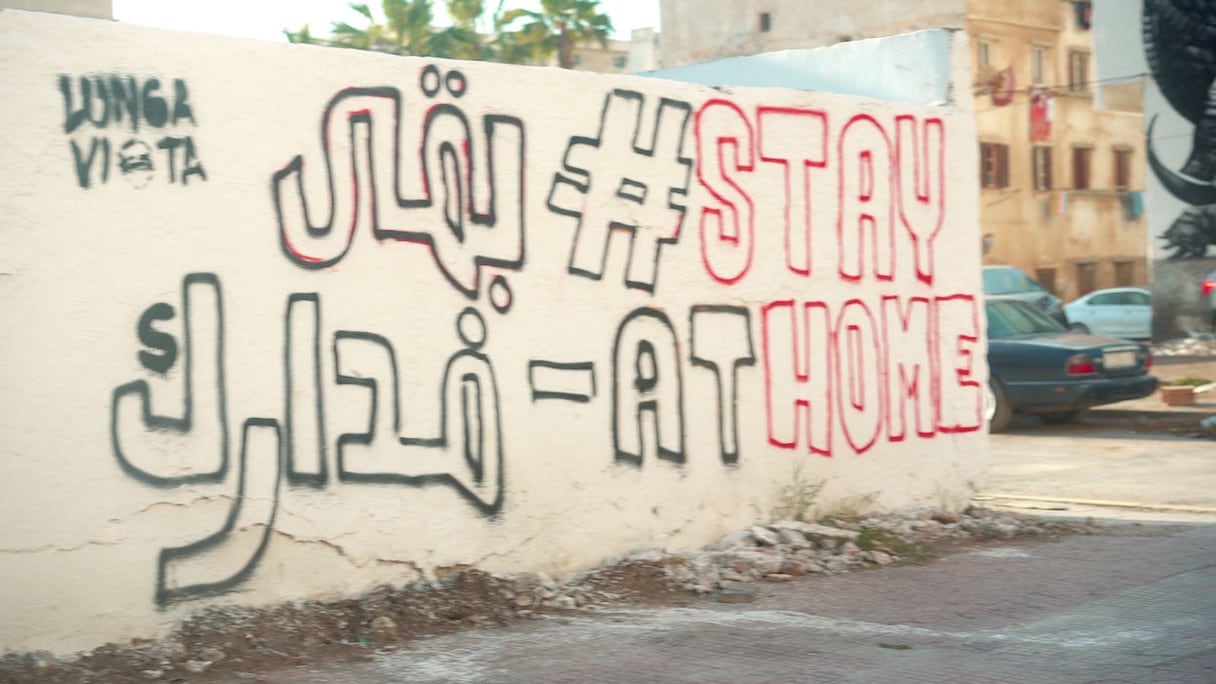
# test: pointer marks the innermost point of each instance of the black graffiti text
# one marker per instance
(464, 452)
(113, 101)
(102, 115)
(134, 160)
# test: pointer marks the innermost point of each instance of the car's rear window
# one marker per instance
(998, 281)
(1011, 318)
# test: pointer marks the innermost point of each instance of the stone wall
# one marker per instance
(285, 322)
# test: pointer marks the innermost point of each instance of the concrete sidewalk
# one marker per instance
(1139, 459)
(1135, 604)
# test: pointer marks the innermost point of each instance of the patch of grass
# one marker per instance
(875, 539)
(1189, 381)
(798, 496)
(853, 506)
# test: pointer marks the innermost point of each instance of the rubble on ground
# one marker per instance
(1195, 344)
(220, 644)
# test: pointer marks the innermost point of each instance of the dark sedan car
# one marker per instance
(1038, 366)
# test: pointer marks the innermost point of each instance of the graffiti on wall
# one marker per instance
(655, 179)
(103, 115)
(638, 189)
(885, 193)
(464, 453)
(463, 198)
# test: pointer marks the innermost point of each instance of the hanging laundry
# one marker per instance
(1040, 114)
(1002, 87)
(1133, 204)
(1085, 14)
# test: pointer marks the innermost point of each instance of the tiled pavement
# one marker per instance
(1136, 605)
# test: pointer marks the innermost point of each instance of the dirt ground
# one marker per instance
(1173, 368)
(233, 644)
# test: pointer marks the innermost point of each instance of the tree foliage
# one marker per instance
(555, 29)
(516, 36)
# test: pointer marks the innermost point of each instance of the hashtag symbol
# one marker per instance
(631, 178)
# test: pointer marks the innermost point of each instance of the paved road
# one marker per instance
(1134, 606)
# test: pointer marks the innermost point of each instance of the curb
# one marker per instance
(990, 498)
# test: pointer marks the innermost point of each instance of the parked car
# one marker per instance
(1208, 287)
(1010, 281)
(1125, 312)
(1038, 366)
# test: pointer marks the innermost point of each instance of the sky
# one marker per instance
(266, 19)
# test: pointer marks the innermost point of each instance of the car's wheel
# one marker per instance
(1079, 328)
(1060, 417)
(996, 407)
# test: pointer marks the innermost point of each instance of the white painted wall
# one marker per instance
(98, 9)
(539, 396)
(697, 31)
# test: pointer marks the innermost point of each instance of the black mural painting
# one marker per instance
(1191, 233)
(1180, 45)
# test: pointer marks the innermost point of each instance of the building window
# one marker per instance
(1123, 168)
(1087, 277)
(1080, 167)
(1078, 70)
(766, 22)
(981, 53)
(994, 165)
(1125, 272)
(618, 62)
(1038, 62)
(1041, 165)
(1085, 14)
(1046, 278)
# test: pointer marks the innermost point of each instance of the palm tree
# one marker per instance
(556, 28)
(519, 36)
(461, 40)
(407, 30)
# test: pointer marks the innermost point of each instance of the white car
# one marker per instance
(1123, 312)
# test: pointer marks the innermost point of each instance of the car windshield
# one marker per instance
(1011, 318)
(1007, 281)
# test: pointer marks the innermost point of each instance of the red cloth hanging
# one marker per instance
(1040, 115)
(1002, 87)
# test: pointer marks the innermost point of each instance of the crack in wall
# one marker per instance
(227, 498)
(353, 561)
(58, 549)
